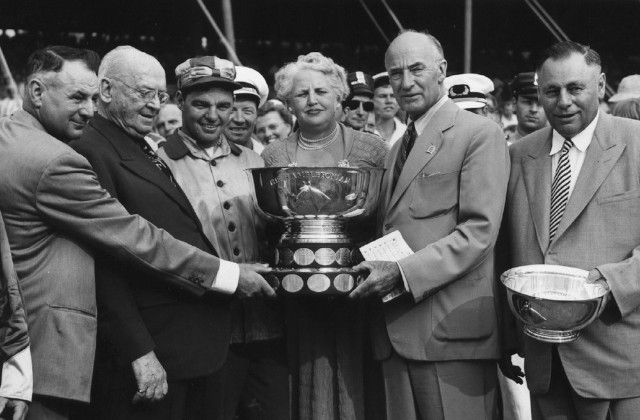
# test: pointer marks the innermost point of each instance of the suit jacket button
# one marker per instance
(232, 227)
(220, 184)
(236, 251)
(213, 163)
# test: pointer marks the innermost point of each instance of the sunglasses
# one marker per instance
(367, 106)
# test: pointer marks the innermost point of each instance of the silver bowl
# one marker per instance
(288, 193)
(553, 302)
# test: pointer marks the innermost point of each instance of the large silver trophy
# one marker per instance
(318, 208)
(553, 302)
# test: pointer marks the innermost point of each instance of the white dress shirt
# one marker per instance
(577, 153)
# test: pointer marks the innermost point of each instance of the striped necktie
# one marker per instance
(560, 188)
(157, 161)
(408, 140)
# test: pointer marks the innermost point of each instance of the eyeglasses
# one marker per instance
(147, 95)
(367, 106)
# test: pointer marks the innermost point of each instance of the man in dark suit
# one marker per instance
(444, 190)
(594, 225)
(149, 336)
(57, 215)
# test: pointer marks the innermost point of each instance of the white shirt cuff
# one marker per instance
(17, 377)
(226, 280)
(404, 279)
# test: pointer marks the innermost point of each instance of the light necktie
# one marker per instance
(560, 188)
(408, 140)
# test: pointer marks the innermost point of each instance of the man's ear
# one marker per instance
(35, 89)
(602, 85)
(106, 90)
(180, 100)
(442, 70)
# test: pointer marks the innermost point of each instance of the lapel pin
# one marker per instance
(431, 149)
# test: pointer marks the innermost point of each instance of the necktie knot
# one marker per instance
(408, 140)
(566, 146)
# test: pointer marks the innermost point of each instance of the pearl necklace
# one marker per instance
(313, 144)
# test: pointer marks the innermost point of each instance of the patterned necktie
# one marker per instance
(560, 188)
(408, 140)
(153, 157)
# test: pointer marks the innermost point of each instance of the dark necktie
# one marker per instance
(560, 188)
(153, 157)
(408, 140)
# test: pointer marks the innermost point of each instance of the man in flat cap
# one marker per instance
(469, 91)
(152, 339)
(529, 112)
(210, 169)
(359, 103)
(251, 95)
(385, 106)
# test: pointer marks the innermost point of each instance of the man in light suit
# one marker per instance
(16, 381)
(441, 342)
(57, 214)
(598, 230)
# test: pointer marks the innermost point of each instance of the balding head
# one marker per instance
(417, 68)
(132, 86)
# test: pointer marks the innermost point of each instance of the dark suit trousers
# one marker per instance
(452, 390)
(114, 387)
(253, 384)
(561, 402)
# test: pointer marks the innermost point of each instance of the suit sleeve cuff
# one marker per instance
(17, 377)
(404, 278)
(226, 280)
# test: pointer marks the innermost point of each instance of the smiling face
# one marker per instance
(205, 114)
(242, 122)
(314, 101)
(126, 106)
(271, 127)
(66, 100)
(416, 72)
(570, 90)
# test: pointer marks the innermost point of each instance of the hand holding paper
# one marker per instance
(385, 278)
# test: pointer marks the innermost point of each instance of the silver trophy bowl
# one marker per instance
(316, 207)
(553, 302)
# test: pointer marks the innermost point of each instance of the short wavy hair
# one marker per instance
(312, 61)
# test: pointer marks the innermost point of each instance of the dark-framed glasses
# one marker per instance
(146, 95)
(367, 106)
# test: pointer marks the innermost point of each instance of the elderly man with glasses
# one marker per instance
(156, 344)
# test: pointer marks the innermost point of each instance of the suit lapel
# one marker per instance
(601, 156)
(536, 172)
(426, 147)
(134, 160)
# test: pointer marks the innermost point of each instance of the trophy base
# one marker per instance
(551, 336)
(312, 281)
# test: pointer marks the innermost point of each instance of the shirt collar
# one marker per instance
(421, 123)
(581, 140)
(224, 147)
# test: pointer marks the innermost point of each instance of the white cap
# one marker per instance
(468, 90)
(252, 84)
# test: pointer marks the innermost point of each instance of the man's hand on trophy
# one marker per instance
(251, 284)
(383, 277)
